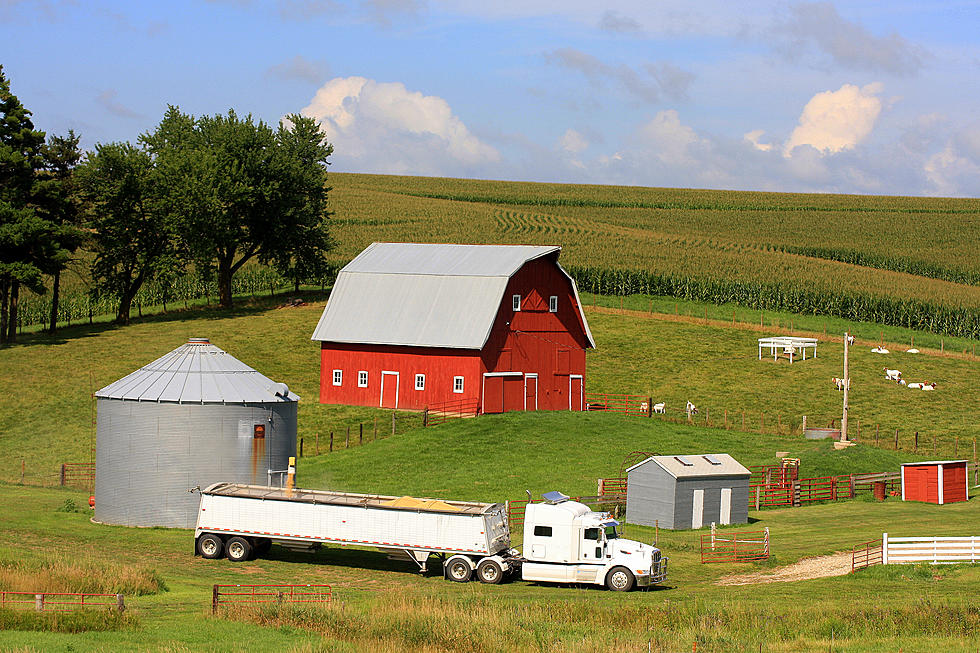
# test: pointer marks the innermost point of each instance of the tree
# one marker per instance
(57, 199)
(130, 234)
(239, 190)
(24, 236)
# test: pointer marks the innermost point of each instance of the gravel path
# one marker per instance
(838, 564)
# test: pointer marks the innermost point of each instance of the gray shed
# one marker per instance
(689, 491)
(193, 417)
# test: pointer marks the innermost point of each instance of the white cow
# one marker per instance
(892, 375)
(691, 409)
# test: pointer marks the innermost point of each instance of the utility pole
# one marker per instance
(847, 387)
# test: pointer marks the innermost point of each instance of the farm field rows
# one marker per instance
(800, 251)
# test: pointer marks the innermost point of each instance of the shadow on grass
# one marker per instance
(244, 306)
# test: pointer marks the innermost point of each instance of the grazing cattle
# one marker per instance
(840, 384)
(660, 408)
(892, 375)
(850, 341)
(691, 409)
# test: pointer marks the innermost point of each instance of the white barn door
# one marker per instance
(726, 506)
(697, 513)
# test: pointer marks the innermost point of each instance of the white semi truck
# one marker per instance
(564, 541)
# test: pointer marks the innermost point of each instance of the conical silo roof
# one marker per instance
(198, 373)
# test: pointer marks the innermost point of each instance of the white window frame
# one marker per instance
(553, 304)
(362, 379)
(420, 381)
(516, 303)
(338, 377)
(458, 383)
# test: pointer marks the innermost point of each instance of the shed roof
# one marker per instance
(198, 373)
(426, 295)
(697, 465)
(933, 462)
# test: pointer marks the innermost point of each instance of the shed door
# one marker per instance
(697, 512)
(530, 392)
(726, 506)
(575, 392)
(954, 482)
(513, 393)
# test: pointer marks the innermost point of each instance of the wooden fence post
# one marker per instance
(120, 603)
(375, 428)
(62, 474)
(392, 422)
(956, 447)
(649, 406)
(425, 417)
(331, 441)
(707, 418)
(915, 445)
(316, 442)
(757, 493)
(360, 436)
(39, 602)
(876, 435)
(301, 447)
(896, 439)
(347, 440)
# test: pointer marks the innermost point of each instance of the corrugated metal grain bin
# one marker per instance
(678, 492)
(193, 417)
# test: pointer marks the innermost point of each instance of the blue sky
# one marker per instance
(858, 97)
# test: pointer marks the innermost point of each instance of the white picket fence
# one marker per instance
(937, 550)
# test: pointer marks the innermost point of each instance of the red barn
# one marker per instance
(935, 481)
(414, 326)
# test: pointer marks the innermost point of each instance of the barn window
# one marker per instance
(542, 531)
(517, 302)
(259, 432)
(362, 379)
(338, 377)
(553, 304)
(457, 384)
(420, 381)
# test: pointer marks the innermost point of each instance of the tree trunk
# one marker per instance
(4, 292)
(125, 306)
(12, 312)
(224, 282)
(55, 288)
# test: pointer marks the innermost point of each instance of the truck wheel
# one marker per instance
(458, 569)
(620, 579)
(210, 546)
(489, 571)
(238, 549)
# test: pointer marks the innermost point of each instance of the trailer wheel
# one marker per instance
(620, 579)
(238, 549)
(489, 571)
(262, 546)
(210, 546)
(458, 569)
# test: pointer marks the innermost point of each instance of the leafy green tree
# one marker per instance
(239, 190)
(131, 236)
(24, 236)
(58, 202)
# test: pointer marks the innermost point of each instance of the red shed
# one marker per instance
(499, 327)
(935, 481)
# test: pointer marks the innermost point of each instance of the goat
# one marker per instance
(660, 408)
(913, 350)
(928, 386)
(850, 341)
(839, 383)
(892, 375)
(915, 386)
(879, 350)
(691, 409)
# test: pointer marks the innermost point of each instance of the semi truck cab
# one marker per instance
(566, 541)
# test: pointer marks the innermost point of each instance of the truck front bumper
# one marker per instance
(657, 575)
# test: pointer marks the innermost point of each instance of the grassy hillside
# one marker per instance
(48, 382)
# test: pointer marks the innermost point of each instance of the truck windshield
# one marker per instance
(611, 533)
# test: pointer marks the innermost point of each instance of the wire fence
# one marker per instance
(228, 595)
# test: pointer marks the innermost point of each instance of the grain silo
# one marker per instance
(193, 417)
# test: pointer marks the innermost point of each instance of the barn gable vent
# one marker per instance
(684, 461)
(711, 459)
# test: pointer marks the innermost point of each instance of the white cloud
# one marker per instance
(650, 83)
(837, 120)
(818, 25)
(573, 142)
(754, 136)
(384, 127)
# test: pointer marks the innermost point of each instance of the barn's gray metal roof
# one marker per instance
(697, 465)
(198, 373)
(425, 295)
